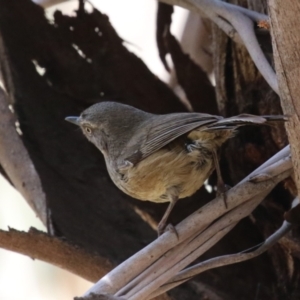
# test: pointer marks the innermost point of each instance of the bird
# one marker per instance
(160, 158)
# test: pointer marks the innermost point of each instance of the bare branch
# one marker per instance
(39, 245)
(238, 24)
(99, 297)
(225, 26)
(16, 162)
(220, 261)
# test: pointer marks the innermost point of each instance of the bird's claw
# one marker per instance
(162, 228)
(221, 192)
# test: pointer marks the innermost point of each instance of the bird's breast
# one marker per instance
(171, 169)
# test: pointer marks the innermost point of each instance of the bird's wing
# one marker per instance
(244, 119)
(158, 131)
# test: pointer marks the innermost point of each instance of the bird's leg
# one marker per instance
(222, 188)
(163, 223)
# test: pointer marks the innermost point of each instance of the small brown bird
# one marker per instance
(160, 158)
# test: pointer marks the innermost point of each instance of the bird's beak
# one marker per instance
(74, 120)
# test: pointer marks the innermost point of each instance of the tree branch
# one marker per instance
(220, 261)
(99, 297)
(39, 245)
(238, 24)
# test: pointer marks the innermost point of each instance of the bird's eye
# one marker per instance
(88, 130)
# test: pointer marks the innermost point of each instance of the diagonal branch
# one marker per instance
(220, 261)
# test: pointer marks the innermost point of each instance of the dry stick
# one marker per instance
(180, 254)
(168, 261)
(222, 24)
(161, 266)
(237, 23)
(226, 259)
(283, 155)
(197, 247)
(252, 14)
(135, 265)
(152, 286)
(245, 27)
(213, 233)
(144, 289)
(244, 255)
(16, 162)
(39, 245)
(220, 261)
(99, 297)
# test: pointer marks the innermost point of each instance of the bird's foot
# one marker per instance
(221, 192)
(172, 229)
(162, 228)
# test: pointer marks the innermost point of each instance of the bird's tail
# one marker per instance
(245, 119)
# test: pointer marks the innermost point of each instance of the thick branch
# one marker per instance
(39, 245)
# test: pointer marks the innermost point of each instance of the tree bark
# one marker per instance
(285, 24)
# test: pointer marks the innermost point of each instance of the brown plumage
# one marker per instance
(160, 158)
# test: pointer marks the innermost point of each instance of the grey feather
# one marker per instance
(162, 130)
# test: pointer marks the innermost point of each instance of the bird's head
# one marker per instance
(108, 123)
